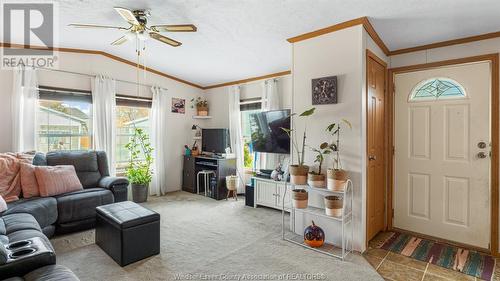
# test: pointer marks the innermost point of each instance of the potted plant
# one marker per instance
(317, 179)
(299, 198)
(336, 176)
(139, 170)
(201, 105)
(333, 205)
(298, 172)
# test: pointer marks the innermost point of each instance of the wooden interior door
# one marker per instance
(376, 80)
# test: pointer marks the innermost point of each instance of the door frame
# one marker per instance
(371, 55)
(494, 167)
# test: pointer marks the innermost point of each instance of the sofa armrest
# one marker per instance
(117, 185)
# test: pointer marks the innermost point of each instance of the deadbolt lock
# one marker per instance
(481, 144)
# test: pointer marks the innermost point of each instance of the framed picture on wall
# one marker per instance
(324, 90)
(178, 105)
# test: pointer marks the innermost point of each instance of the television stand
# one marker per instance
(221, 166)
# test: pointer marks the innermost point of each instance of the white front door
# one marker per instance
(442, 145)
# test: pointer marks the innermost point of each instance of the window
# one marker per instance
(64, 120)
(131, 113)
(436, 89)
(247, 108)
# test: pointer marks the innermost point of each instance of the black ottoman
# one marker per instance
(127, 232)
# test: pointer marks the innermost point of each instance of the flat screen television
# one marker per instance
(215, 140)
(267, 133)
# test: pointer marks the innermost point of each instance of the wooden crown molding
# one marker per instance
(268, 76)
(446, 43)
(343, 25)
(108, 55)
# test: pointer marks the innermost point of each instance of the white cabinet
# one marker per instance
(270, 193)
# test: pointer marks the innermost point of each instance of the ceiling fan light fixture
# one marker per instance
(141, 36)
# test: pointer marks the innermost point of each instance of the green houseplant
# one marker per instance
(317, 179)
(201, 105)
(336, 176)
(139, 170)
(298, 172)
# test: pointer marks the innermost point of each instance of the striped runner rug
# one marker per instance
(466, 261)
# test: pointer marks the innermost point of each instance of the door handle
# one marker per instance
(481, 155)
(371, 157)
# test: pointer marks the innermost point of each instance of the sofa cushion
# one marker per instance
(17, 222)
(55, 180)
(44, 210)
(85, 163)
(51, 272)
(29, 184)
(79, 205)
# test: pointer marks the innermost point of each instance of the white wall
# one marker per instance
(179, 125)
(340, 54)
(218, 99)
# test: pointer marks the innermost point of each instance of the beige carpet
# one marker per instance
(204, 239)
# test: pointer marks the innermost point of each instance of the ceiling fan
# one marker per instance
(138, 20)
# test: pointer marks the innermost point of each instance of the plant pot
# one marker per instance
(300, 198)
(298, 174)
(315, 180)
(140, 192)
(195, 152)
(333, 206)
(202, 110)
(336, 179)
(232, 183)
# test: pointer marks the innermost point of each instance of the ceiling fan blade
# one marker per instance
(83, 25)
(164, 39)
(119, 41)
(127, 15)
(175, 28)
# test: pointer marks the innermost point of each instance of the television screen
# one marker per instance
(267, 133)
(215, 140)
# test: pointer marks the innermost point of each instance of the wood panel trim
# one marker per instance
(446, 43)
(326, 30)
(495, 137)
(371, 55)
(374, 35)
(343, 25)
(268, 76)
(108, 55)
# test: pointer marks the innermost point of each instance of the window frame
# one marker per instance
(412, 96)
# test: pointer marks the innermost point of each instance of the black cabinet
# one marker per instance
(221, 167)
(188, 175)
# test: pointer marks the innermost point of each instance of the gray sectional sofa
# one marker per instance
(69, 212)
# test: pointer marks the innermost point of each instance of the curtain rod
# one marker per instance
(90, 75)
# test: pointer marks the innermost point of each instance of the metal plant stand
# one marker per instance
(345, 221)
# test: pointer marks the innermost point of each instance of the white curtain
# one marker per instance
(104, 116)
(24, 109)
(235, 133)
(158, 124)
(271, 101)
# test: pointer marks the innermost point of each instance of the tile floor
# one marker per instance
(396, 267)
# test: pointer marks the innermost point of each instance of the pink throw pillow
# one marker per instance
(3, 204)
(29, 185)
(54, 180)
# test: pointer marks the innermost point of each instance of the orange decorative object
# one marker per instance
(314, 236)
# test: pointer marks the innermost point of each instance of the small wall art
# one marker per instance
(324, 90)
(178, 105)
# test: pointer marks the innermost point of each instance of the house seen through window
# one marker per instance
(64, 120)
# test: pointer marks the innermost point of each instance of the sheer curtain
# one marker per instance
(24, 109)
(104, 117)
(271, 101)
(158, 124)
(235, 133)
